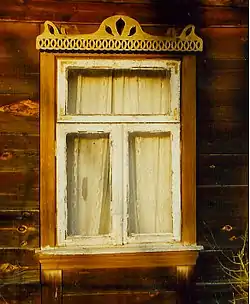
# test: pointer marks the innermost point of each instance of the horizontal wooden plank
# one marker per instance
(10, 123)
(20, 200)
(110, 279)
(117, 298)
(222, 137)
(11, 201)
(222, 202)
(145, 12)
(20, 30)
(12, 142)
(23, 180)
(212, 234)
(24, 258)
(9, 98)
(21, 294)
(210, 266)
(222, 105)
(222, 90)
(28, 84)
(206, 112)
(225, 43)
(226, 79)
(222, 170)
(18, 55)
(20, 276)
(19, 229)
(11, 238)
(235, 3)
(18, 160)
(213, 294)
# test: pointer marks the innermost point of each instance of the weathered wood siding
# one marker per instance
(222, 144)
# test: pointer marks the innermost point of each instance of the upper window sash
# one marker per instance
(64, 65)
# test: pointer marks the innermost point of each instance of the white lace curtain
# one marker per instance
(150, 209)
(89, 185)
(119, 92)
(89, 178)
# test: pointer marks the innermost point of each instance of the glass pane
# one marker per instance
(88, 177)
(94, 91)
(150, 209)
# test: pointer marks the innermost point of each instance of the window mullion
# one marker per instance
(117, 182)
(125, 163)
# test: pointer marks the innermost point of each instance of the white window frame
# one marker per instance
(117, 126)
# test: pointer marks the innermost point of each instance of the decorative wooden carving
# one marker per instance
(118, 34)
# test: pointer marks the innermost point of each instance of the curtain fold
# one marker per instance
(89, 174)
(121, 92)
(150, 208)
(89, 186)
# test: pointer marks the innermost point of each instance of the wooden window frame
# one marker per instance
(50, 255)
(118, 126)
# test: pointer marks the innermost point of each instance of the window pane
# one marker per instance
(93, 91)
(150, 209)
(88, 168)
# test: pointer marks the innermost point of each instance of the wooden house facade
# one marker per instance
(221, 149)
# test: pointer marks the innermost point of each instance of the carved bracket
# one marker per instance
(118, 34)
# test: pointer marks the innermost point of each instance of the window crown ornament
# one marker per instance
(118, 34)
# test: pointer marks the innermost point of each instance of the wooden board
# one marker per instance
(127, 279)
(19, 229)
(123, 297)
(145, 12)
(18, 55)
(222, 137)
(222, 170)
(225, 42)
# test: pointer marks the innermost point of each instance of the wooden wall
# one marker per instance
(222, 144)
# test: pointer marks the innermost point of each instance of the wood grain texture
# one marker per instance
(19, 124)
(227, 202)
(188, 149)
(51, 286)
(19, 229)
(222, 137)
(18, 256)
(19, 141)
(126, 260)
(211, 235)
(18, 55)
(144, 12)
(99, 280)
(18, 159)
(225, 42)
(19, 182)
(208, 267)
(222, 170)
(47, 150)
(125, 297)
(20, 293)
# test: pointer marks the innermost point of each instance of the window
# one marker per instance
(118, 153)
(117, 148)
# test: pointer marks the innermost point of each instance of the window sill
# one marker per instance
(129, 256)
